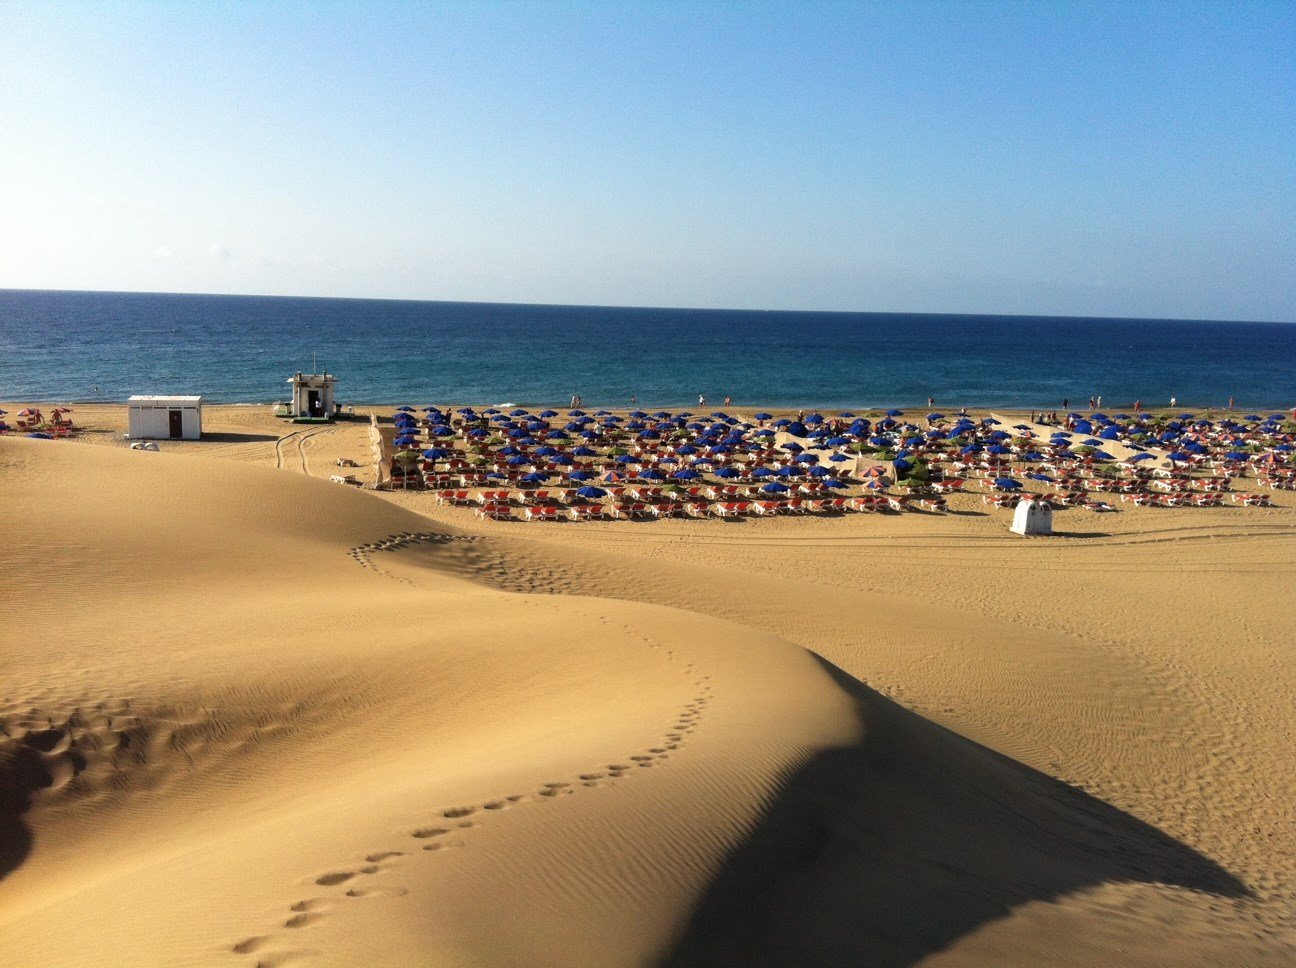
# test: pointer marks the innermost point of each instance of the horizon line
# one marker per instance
(715, 309)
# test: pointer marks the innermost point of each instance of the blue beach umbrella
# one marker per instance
(1007, 483)
(591, 492)
(766, 416)
(774, 487)
(535, 477)
(833, 483)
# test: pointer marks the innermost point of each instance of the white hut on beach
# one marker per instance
(1032, 517)
(312, 396)
(153, 417)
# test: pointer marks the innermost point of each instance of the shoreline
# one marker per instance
(911, 409)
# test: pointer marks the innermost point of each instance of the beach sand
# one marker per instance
(252, 717)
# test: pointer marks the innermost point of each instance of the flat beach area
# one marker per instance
(253, 717)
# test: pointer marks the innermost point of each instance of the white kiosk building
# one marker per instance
(164, 418)
(312, 396)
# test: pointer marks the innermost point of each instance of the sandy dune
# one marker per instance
(254, 718)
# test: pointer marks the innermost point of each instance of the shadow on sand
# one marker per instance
(230, 438)
(22, 773)
(885, 852)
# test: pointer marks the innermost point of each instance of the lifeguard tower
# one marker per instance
(312, 398)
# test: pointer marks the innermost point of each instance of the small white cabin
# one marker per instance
(1032, 517)
(312, 396)
(164, 418)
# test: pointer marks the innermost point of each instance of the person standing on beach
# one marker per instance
(1174, 401)
(1100, 401)
(1138, 405)
(728, 401)
(931, 402)
(1066, 404)
(1230, 406)
(701, 399)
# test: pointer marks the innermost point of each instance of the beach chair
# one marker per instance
(765, 508)
(899, 503)
(795, 506)
(696, 509)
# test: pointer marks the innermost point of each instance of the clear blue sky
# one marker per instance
(1117, 158)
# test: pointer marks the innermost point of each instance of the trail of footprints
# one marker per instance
(364, 554)
(453, 825)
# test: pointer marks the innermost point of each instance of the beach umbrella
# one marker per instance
(39, 435)
(833, 483)
(727, 472)
(406, 409)
(436, 453)
(762, 472)
(1040, 477)
(1138, 457)
(998, 449)
(1007, 484)
(814, 418)
(782, 422)
(612, 477)
(1021, 427)
(774, 487)
(590, 493)
(819, 471)
(518, 461)
(466, 411)
(535, 477)
(895, 413)
(580, 476)
(1180, 456)
(838, 458)
(405, 441)
(806, 458)
(935, 416)
(686, 475)
(766, 416)
(900, 464)
(1102, 455)
(845, 413)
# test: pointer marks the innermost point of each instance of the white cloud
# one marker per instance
(218, 251)
(162, 252)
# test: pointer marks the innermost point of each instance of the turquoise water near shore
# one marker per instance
(241, 349)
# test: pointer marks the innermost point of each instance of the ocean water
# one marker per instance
(85, 346)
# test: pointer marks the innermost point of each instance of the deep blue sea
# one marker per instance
(85, 346)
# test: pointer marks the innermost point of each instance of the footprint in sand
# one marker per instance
(455, 813)
(383, 855)
(424, 832)
(301, 920)
(248, 945)
(334, 878)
